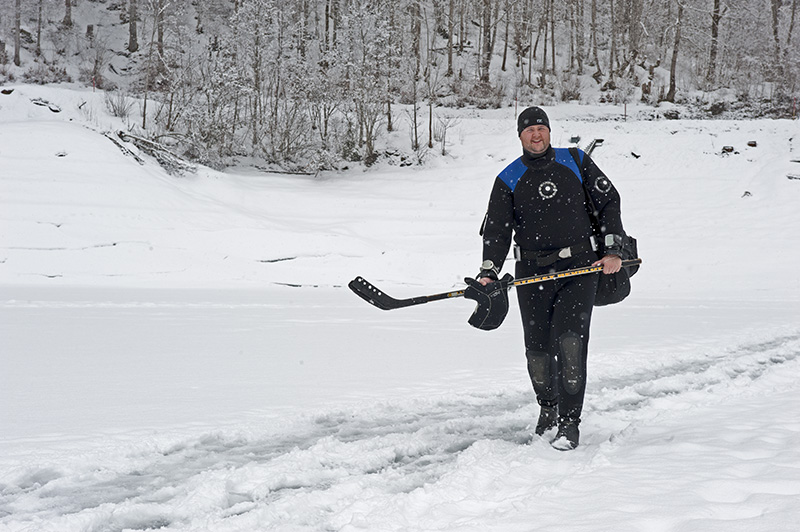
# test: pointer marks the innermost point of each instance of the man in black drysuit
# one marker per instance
(540, 198)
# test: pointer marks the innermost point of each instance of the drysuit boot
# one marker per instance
(548, 418)
(568, 434)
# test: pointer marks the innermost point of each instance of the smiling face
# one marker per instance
(535, 139)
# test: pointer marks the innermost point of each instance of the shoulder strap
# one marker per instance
(590, 206)
(576, 155)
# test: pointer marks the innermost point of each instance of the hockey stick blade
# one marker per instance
(372, 295)
(378, 298)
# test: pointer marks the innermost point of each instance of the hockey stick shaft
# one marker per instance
(374, 296)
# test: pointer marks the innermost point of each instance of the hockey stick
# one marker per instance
(375, 296)
(592, 145)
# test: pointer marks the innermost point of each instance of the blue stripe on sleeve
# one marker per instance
(513, 173)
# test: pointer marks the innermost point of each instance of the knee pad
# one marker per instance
(538, 367)
(572, 362)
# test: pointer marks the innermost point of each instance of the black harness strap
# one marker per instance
(546, 258)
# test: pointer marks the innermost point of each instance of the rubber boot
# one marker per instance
(568, 434)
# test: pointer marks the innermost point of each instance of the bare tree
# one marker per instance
(133, 42)
(716, 16)
(674, 65)
(635, 11)
(776, 5)
(553, 33)
(445, 123)
(416, 35)
(450, 29)
(612, 56)
(543, 29)
(160, 7)
(507, 15)
(157, 8)
(580, 34)
(332, 22)
(393, 60)
(17, 31)
(486, 52)
(39, 28)
(67, 22)
(599, 72)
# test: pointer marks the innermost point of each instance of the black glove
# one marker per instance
(492, 302)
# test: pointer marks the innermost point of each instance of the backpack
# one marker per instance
(615, 287)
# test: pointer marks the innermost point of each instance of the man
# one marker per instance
(540, 199)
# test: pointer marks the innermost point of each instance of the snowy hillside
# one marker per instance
(182, 353)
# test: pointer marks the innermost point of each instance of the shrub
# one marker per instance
(118, 104)
(43, 74)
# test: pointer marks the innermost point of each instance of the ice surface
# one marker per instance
(182, 353)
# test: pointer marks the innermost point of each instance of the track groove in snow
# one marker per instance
(748, 361)
(323, 464)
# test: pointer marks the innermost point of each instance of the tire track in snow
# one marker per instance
(316, 465)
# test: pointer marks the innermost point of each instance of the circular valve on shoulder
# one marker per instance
(602, 185)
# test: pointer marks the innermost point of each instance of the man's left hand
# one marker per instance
(611, 264)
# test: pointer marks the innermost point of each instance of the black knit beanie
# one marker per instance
(530, 117)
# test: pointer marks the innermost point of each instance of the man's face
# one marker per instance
(535, 139)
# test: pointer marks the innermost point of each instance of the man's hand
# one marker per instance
(485, 280)
(611, 264)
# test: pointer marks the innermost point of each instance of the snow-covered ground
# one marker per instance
(183, 354)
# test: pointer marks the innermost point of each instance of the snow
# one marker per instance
(183, 354)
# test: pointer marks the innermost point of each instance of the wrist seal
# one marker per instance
(488, 269)
(612, 244)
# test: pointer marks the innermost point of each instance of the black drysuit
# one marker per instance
(541, 201)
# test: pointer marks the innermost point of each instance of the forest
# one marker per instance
(306, 85)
